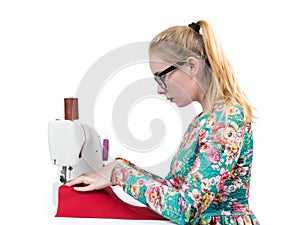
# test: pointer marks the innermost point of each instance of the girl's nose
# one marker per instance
(160, 90)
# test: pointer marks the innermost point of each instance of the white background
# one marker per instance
(47, 46)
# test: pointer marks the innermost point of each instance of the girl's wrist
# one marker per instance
(112, 166)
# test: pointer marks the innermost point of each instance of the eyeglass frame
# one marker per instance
(159, 78)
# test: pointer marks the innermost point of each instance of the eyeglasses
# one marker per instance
(160, 78)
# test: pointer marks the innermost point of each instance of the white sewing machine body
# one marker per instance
(76, 149)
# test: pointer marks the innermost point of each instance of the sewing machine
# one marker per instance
(75, 148)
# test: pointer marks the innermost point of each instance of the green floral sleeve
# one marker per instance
(141, 171)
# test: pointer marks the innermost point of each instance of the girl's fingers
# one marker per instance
(79, 180)
(72, 182)
(84, 189)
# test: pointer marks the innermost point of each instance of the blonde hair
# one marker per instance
(183, 42)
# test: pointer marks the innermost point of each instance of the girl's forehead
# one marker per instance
(158, 66)
(156, 61)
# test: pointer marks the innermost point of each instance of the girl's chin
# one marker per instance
(181, 104)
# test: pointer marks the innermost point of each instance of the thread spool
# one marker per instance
(71, 108)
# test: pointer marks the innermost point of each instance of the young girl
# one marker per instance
(209, 176)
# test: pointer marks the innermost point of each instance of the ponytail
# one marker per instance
(222, 72)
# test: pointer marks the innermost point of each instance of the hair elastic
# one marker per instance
(195, 27)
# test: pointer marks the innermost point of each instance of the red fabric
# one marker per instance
(99, 204)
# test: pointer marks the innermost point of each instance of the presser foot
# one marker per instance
(65, 174)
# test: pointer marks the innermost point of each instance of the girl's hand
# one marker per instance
(94, 180)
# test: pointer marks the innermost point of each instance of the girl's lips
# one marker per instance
(170, 99)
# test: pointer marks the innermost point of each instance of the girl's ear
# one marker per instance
(193, 65)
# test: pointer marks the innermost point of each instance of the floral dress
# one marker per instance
(209, 176)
